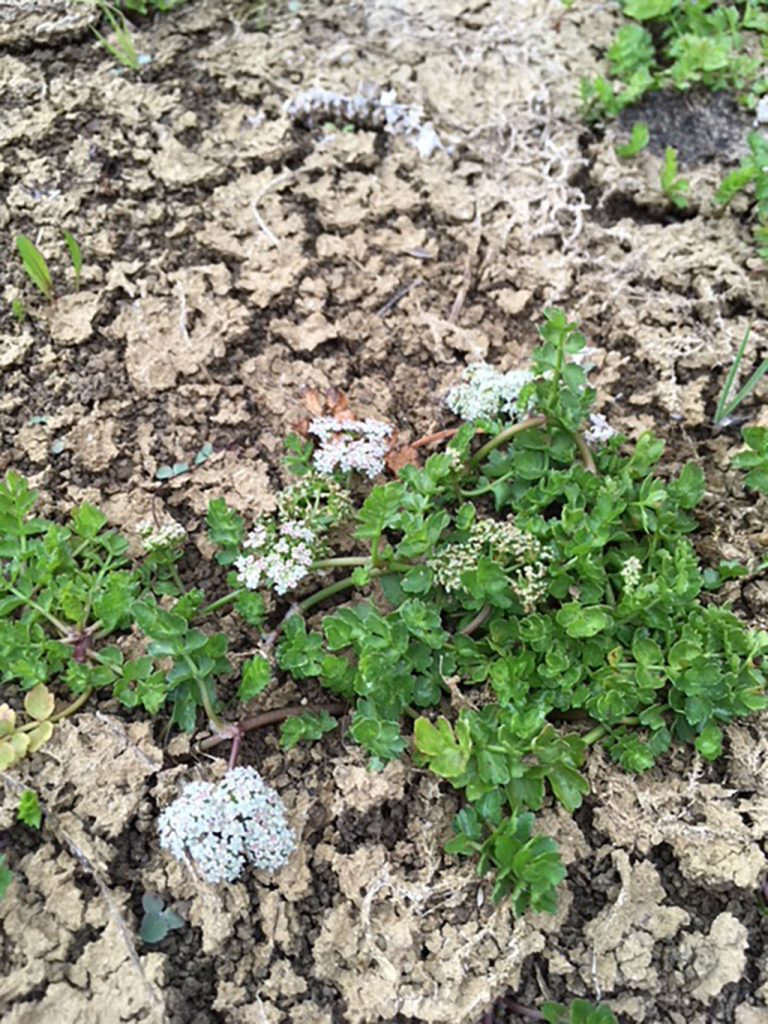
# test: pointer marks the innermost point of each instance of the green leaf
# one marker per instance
(305, 728)
(637, 142)
(226, 530)
(647, 10)
(87, 521)
(446, 753)
(29, 811)
(256, 677)
(709, 742)
(35, 266)
(6, 876)
(39, 702)
(581, 622)
(75, 255)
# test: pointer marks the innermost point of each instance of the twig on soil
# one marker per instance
(390, 304)
(53, 822)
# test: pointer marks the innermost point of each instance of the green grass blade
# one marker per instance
(723, 409)
(75, 255)
(35, 266)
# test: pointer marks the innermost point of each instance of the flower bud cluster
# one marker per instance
(167, 535)
(631, 572)
(486, 393)
(222, 828)
(282, 555)
(319, 501)
(522, 555)
(599, 429)
(346, 445)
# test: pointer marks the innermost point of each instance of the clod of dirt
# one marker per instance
(717, 959)
(715, 836)
(623, 935)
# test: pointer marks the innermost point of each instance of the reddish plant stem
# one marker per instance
(269, 718)
(441, 435)
(477, 622)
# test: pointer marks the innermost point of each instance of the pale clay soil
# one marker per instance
(232, 257)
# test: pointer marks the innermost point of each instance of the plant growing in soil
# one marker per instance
(578, 1012)
(38, 272)
(753, 172)
(673, 43)
(528, 598)
(672, 185)
(158, 920)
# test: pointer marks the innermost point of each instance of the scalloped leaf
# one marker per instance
(7, 755)
(39, 702)
(7, 720)
(39, 735)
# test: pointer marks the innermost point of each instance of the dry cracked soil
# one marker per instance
(236, 252)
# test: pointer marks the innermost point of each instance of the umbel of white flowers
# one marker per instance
(224, 827)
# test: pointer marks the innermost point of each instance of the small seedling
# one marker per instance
(29, 811)
(752, 172)
(755, 459)
(579, 1012)
(6, 875)
(637, 142)
(169, 472)
(727, 404)
(35, 266)
(75, 255)
(673, 187)
(157, 921)
(123, 48)
(19, 311)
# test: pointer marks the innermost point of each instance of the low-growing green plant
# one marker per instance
(38, 272)
(754, 459)
(157, 921)
(673, 186)
(578, 1012)
(528, 592)
(753, 173)
(680, 44)
(518, 586)
(35, 266)
(19, 311)
(28, 810)
(637, 142)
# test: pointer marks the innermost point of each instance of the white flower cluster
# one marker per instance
(599, 429)
(165, 536)
(631, 572)
(282, 555)
(522, 554)
(486, 393)
(359, 445)
(367, 108)
(319, 500)
(224, 827)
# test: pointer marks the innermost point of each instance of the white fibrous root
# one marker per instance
(223, 828)
(487, 393)
(346, 445)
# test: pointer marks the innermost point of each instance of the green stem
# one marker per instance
(217, 724)
(601, 730)
(340, 563)
(506, 435)
(222, 602)
(586, 455)
(330, 590)
(62, 628)
(478, 492)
